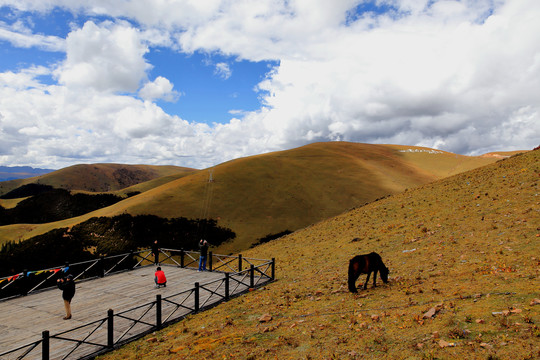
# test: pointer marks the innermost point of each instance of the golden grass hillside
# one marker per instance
(286, 190)
(97, 177)
(466, 247)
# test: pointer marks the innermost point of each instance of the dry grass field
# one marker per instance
(464, 259)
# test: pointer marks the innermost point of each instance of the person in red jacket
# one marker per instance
(159, 278)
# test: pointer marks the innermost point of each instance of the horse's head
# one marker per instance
(384, 274)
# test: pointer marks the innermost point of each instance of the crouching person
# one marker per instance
(159, 278)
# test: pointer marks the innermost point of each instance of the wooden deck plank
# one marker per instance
(23, 319)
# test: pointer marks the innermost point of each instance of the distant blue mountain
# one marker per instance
(20, 172)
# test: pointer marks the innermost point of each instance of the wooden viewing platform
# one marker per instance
(132, 296)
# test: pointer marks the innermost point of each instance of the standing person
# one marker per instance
(155, 251)
(203, 248)
(159, 278)
(67, 285)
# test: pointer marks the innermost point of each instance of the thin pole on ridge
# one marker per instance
(207, 201)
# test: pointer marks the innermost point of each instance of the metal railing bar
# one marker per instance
(101, 321)
(191, 257)
(135, 322)
(142, 259)
(79, 342)
(85, 270)
(8, 284)
(137, 308)
(178, 306)
(212, 292)
(190, 291)
(118, 263)
(79, 263)
(44, 281)
(226, 256)
(238, 282)
(223, 263)
(173, 311)
(169, 257)
(263, 272)
(181, 305)
(254, 259)
(32, 345)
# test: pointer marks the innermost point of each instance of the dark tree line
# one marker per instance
(47, 204)
(106, 236)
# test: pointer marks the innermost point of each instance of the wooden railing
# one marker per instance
(117, 329)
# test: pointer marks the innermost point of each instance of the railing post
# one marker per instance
(158, 311)
(252, 276)
(24, 283)
(131, 252)
(196, 297)
(273, 269)
(101, 267)
(182, 253)
(227, 286)
(45, 345)
(210, 261)
(239, 262)
(110, 328)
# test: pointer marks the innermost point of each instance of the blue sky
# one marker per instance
(206, 94)
(196, 83)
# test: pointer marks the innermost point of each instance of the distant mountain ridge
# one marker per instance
(21, 172)
(97, 177)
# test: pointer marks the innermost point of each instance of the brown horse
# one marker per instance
(366, 264)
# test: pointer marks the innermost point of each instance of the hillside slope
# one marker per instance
(466, 246)
(287, 190)
(97, 177)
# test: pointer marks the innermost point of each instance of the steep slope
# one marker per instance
(288, 190)
(465, 247)
(97, 177)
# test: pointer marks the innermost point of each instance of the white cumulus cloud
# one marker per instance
(223, 70)
(105, 57)
(160, 88)
(462, 76)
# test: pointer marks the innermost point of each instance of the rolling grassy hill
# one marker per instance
(287, 190)
(97, 177)
(466, 246)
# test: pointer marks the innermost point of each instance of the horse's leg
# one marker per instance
(353, 276)
(375, 278)
(352, 282)
(367, 279)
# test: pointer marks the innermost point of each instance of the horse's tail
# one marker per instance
(353, 275)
